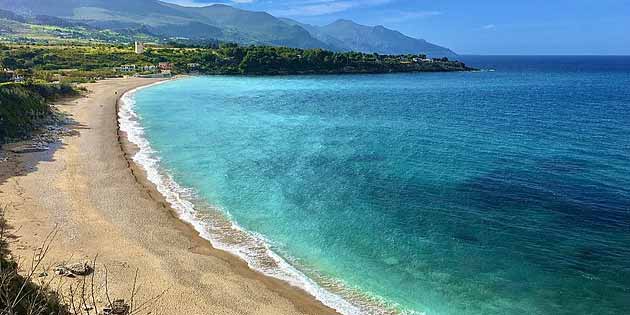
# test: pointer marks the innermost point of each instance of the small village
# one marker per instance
(158, 70)
(161, 70)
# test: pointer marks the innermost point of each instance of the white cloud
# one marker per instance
(402, 16)
(323, 7)
(196, 3)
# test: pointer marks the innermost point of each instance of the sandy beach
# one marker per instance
(101, 204)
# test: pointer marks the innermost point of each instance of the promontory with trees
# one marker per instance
(46, 62)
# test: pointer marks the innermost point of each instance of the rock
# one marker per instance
(80, 269)
(118, 307)
(62, 271)
(72, 270)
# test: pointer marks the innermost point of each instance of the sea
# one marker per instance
(499, 191)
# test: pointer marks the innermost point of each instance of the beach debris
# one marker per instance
(118, 307)
(72, 270)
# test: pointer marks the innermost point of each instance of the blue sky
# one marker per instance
(475, 27)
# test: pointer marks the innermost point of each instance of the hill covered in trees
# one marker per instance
(46, 62)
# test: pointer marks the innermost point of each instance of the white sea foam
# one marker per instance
(222, 232)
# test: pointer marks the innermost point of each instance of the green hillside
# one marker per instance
(224, 23)
(50, 30)
(218, 22)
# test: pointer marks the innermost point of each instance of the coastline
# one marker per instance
(104, 204)
(211, 224)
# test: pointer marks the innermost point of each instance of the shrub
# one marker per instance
(23, 107)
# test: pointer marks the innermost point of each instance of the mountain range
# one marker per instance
(224, 23)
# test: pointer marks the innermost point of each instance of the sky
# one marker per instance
(488, 27)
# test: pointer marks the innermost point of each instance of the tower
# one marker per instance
(139, 48)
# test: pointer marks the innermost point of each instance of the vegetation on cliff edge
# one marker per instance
(24, 107)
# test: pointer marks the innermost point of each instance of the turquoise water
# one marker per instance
(504, 192)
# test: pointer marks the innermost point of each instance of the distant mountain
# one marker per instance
(14, 27)
(253, 27)
(39, 20)
(347, 35)
(222, 22)
(4, 14)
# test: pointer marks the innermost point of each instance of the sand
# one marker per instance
(101, 204)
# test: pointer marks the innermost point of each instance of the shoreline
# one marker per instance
(172, 253)
(214, 227)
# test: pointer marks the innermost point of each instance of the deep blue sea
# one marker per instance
(492, 192)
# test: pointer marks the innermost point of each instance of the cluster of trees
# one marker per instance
(215, 59)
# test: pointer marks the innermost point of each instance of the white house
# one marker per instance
(126, 68)
(149, 68)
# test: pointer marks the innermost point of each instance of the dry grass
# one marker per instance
(35, 288)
